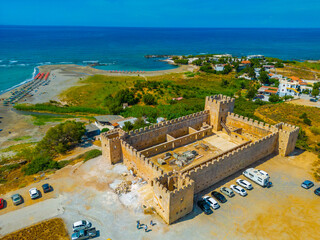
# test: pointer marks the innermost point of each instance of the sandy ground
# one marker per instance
(304, 102)
(15, 125)
(285, 211)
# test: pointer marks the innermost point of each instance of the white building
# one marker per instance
(190, 60)
(219, 67)
(255, 57)
(288, 88)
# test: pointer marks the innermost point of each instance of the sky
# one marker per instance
(164, 13)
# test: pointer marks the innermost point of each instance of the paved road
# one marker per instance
(26, 216)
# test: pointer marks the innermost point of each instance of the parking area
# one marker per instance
(284, 211)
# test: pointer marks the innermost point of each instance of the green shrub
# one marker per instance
(149, 99)
(315, 130)
(105, 130)
(307, 121)
(91, 154)
(40, 164)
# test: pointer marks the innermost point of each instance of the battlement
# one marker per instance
(227, 154)
(138, 156)
(287, 127)
(167, 123)
(252, 122)
(182, 184)
(187, 184)
(220, 99)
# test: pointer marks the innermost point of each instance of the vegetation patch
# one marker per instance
(21, 138)
(307, 118)
(50, 229)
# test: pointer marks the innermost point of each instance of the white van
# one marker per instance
(255, 175)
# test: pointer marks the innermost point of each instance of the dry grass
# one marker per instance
(53, 229)
(300, 71)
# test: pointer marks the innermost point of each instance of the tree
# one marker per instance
(115, 108)
(274, 98)
(139, 123)
(251, 93)
(251, 72)
(197, 62)
(227, 69)
(128, 126)
(149, 99)
(307, 121)
(279, 65)
(125, 96)
(264, 78)
(61, 138)
(315, 89)
(207, 68)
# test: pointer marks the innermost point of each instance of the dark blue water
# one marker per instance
(24, 48)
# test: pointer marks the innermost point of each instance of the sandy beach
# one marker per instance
(62, 77)
(65, 76)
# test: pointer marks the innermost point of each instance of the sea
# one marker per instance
(24, 48)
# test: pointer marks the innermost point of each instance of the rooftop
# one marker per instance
(108, 118)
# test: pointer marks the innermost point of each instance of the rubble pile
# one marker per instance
(123, 187)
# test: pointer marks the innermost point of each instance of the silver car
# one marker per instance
(227, 191)
(81, 225)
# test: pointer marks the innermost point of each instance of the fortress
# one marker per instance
(184, 156)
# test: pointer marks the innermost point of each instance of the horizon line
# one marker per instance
(83, 26)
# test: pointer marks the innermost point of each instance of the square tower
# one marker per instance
(111, 145)
(219, 106)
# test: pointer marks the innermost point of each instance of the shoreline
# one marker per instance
(64, 76)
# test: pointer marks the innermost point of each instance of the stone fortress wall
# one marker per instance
(174, 191)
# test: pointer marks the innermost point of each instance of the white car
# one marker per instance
(81, 225)
(213, 203)
(34, 193)
(239, 190)
(244, 184)
(263, 173)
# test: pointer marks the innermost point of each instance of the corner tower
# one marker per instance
(219, 106)
(111, 146)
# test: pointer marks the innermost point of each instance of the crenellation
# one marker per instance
(135, 148)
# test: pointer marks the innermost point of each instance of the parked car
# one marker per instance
(307, 184)
(317, 191)
(1, 203)
(313, 100)
(204, 206)
(227, 191)
(239, 190)
(218, 196)
(34, 193)
(81, 225)
(84, 234)
(244, 184)
(46, 188)
(16, 199)
(213, 203)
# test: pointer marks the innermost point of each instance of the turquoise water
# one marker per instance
(24, 48)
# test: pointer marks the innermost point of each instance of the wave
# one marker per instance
(65, 62)
(12, 61)
(44, 63)
(35, 71)
(91, 61)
